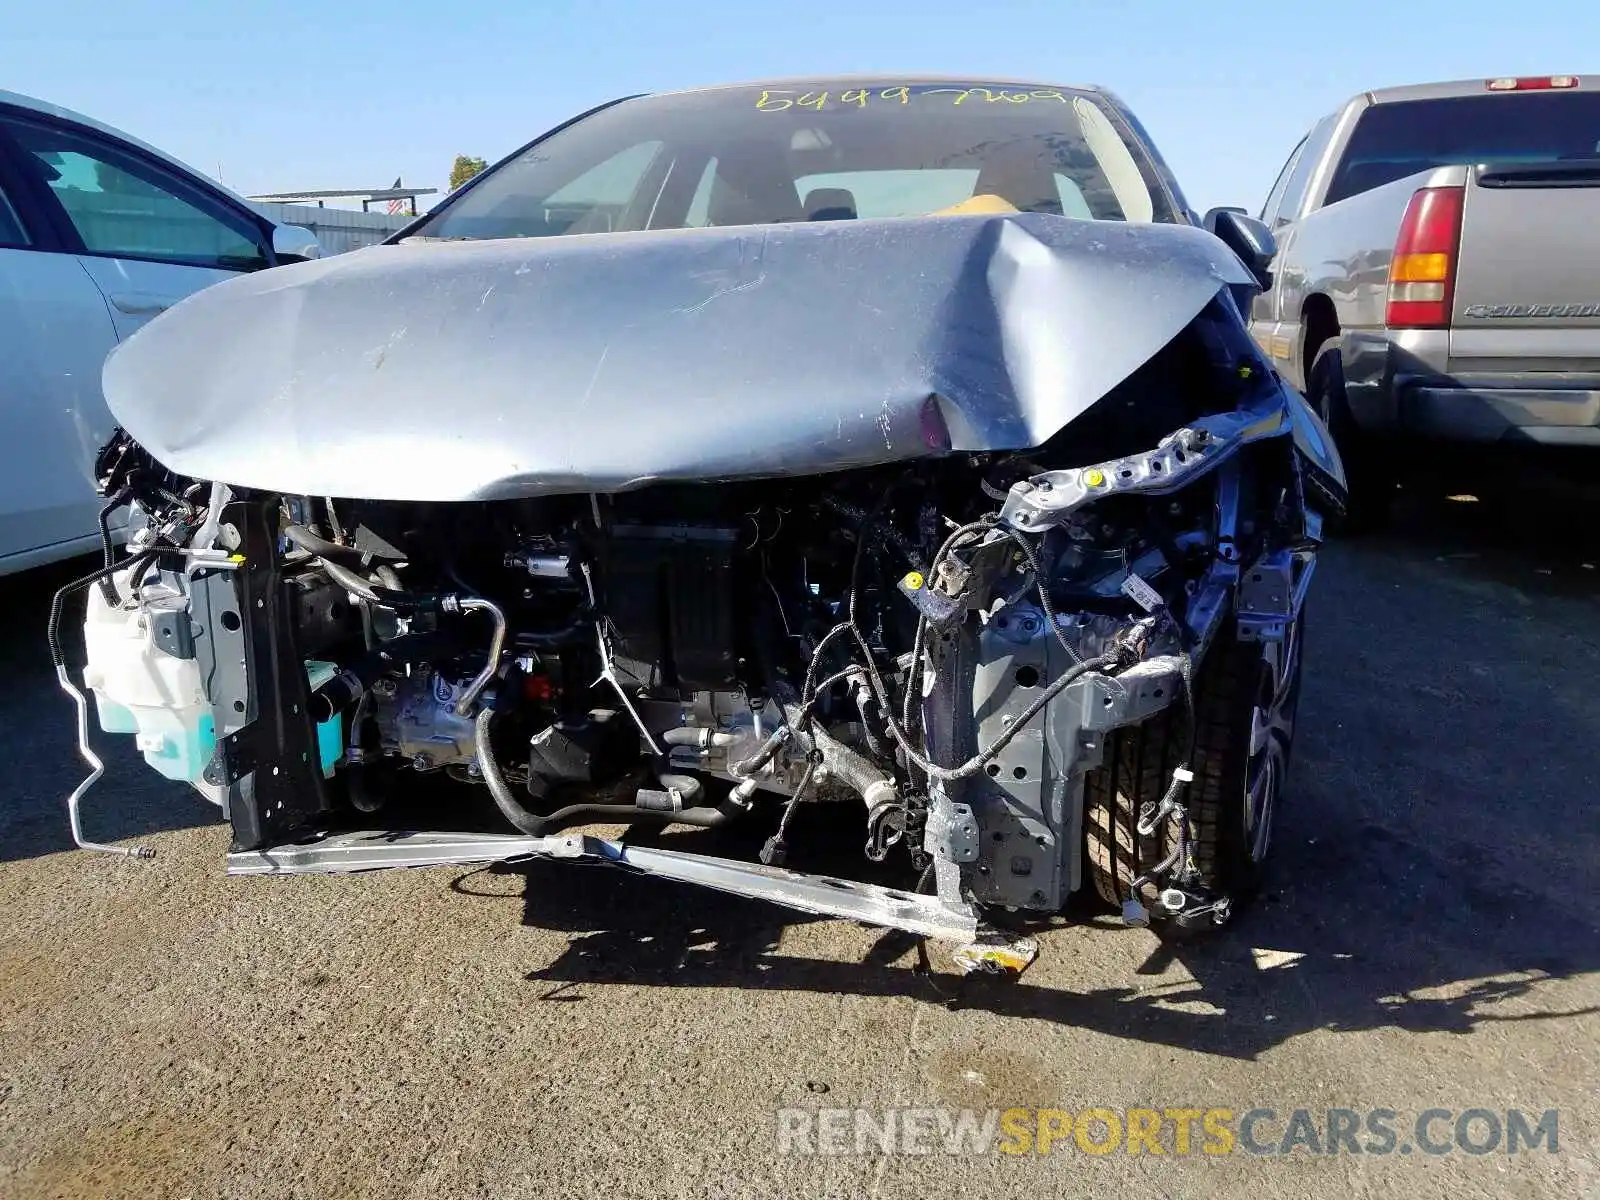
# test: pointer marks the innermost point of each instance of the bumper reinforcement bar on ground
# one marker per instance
(819, 894)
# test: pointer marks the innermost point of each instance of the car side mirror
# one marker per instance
(294, 243)
(1247, 237)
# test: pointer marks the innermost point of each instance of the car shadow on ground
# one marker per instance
(38, 738)
(1436, 862)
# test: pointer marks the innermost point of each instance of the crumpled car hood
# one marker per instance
(503, 369)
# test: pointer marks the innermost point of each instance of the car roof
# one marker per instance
(60, 113)
(1462, 87)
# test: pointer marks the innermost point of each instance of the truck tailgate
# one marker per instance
(1527, 294)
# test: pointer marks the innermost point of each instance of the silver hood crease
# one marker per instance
(502, 369)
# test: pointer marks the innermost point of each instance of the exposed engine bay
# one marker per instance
(957, 650)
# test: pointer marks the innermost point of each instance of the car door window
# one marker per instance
(1269, 210)
(1294, 188)
(1299, 180)
(123, 206)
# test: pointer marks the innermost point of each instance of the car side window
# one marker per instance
(1299, 180)
(120, 205)
(1269, 210)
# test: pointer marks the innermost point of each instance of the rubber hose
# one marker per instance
(857, 771)
(705, 817)
(693, 736)
(768, 751)
(687, 786)
(363, 796)
(351, 582)
(521, 818)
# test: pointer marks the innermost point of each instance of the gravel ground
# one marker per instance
(1430, 941)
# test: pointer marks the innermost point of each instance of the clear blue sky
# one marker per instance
(335, 93)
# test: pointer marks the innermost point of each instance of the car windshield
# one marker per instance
(1397, 139)
(759, 156)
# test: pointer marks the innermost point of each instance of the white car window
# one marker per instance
(125, 207)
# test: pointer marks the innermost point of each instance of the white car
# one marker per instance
(98, 233)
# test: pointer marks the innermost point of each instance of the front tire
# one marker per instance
(1246, 695)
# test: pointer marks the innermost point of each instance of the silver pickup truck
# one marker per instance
(1438, 271)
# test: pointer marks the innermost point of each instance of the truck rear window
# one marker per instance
(1398, 139)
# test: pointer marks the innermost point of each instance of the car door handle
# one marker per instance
(140, 304)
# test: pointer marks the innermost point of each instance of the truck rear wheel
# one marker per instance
(1245, 695)
(1367, 471)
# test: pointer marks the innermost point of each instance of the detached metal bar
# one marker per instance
(819, 894)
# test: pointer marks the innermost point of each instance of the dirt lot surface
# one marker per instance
(1430, 941)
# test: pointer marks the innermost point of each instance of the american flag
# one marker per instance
(397, 205)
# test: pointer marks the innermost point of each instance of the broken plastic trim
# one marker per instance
(823, 895)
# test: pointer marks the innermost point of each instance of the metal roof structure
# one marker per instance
(367, 196)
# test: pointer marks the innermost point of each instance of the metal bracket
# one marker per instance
(952, 832)
(236, 757)
(1177, 461)
(1264, 598)
(823, 895)
(171, 629)
(1271, 594)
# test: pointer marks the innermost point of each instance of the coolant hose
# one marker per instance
(351, 582)
(700, 737)
(872, 783)
(527, 822)
(704, 816)
(678, 789)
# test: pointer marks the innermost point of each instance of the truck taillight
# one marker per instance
(1422, 271)
(1532, 83)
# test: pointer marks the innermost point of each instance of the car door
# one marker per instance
(1264, 309)
(55, 332)
(147, 234)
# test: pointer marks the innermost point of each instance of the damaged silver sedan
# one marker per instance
(892, 443)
